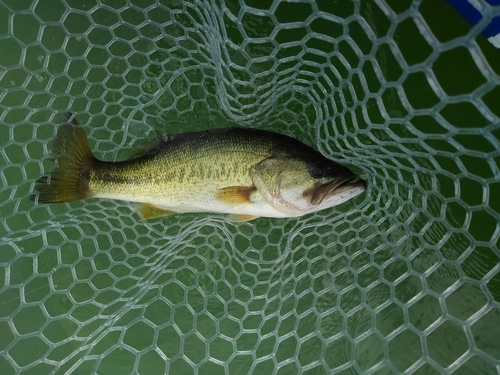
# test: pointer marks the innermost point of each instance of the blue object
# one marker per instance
(474, 16)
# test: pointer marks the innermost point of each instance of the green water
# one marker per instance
(366, 287)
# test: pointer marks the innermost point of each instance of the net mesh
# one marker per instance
(404, 279)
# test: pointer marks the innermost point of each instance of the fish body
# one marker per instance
(246, 173)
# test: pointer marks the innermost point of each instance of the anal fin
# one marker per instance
(150, 211)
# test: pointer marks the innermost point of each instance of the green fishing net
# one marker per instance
(405, 278)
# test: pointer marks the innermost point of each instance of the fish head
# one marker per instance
(297, 186)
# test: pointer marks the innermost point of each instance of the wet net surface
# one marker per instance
(404, 279)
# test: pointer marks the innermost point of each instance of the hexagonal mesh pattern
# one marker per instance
(404, 279)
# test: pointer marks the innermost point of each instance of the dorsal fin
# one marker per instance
(148, 148)
(152, 147)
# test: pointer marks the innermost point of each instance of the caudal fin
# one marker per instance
(74, 160)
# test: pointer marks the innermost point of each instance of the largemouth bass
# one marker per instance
(245, 173)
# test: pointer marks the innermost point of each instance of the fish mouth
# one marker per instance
(337, 187)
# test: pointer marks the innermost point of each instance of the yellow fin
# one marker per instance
(149, 211)
(236, 218)
(70, 180)
(234, 195)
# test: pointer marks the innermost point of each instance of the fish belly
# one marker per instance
(194, 199)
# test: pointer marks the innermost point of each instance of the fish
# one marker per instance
(245, 173)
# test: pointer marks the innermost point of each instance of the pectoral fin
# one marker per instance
(149, 211)
(234, 195)
(235, 218)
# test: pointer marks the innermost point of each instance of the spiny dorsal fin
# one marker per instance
(152, 147)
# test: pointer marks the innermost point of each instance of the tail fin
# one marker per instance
(74, 160)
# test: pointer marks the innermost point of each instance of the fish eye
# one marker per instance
(317, 170)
